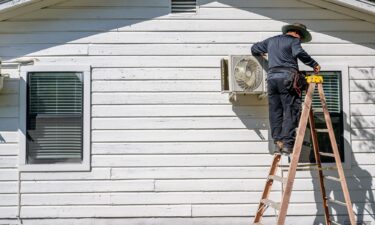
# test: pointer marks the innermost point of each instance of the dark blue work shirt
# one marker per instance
(283, 51)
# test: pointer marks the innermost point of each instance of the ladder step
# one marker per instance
(332, 178)
(322, 130)
(277, 178)
(336, 202)
(271, 203)
(327, 154)
(335, 223)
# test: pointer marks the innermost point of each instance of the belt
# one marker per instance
(282, 69)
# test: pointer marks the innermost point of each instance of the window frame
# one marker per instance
(344, 70)
(85, 164)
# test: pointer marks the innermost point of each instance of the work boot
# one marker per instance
(287, 151)
(279, 145)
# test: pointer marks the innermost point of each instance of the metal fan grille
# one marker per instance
(248, 74)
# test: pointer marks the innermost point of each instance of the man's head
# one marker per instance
(297, 30)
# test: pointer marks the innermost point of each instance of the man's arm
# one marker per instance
(303, 56)
(259, 48)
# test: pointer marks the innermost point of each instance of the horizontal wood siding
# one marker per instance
(167, 146)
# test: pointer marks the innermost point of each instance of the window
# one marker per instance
(183, 6)
(332, 86)
(55, 119)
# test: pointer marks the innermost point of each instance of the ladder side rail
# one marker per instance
(337, 155)
(296, 154)
(320, 171)
(267, 188)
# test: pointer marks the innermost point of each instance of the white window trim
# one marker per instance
(85, 165)
(344, 69)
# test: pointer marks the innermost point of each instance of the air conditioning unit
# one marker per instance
(247, 74)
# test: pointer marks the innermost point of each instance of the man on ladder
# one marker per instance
(284, 109)
(283, 99)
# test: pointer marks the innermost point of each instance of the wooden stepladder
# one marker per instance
(307, 115)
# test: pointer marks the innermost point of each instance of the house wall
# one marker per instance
(167, 146)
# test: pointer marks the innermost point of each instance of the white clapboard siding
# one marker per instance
(8, 124)
(157, 86)
(11, 86)
(363, 146)
(7, 187)
(181, 61)
(8, 175)
(363, 134)
(362, 97)
(362, 85)
(9, 112)
(8, 100)
(8, 212)
(180, 37)
(8, 149)
(362, 73)
(98, 13)
(8, 161)
(190, 172)
(354, 184)
(178, 110)
(246, 4)
(217, 49)
(365, 158)
(106, 211)
(94, 174)
(358, 197)
(163, 12)
(362, 109)
(179, 135)
(9, 136)
(86, 186)
(155, 74)
(43, 50)
(358, 171)
(209, 220)
(179, 123)
(160, 98)
(205, 3)
(181, 160)
(143, 198)
(8, 200)
(179, 25)
(128, 3)
(179, 148)
(212, 185)
(293, 209)
(363, 121)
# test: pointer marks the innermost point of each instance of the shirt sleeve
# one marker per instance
(259, 48)
(302, 55)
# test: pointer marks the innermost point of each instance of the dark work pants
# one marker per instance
(284, 108)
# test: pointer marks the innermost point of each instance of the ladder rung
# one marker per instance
(322, 130)
(336, 202)
(332, 178)
(336, 223)
(277, 178)
(271, 203)
(327, 154)
(318, 109)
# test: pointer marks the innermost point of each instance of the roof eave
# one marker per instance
(15, 4)
(362, 6)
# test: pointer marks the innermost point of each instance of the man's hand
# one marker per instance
(317, 69)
